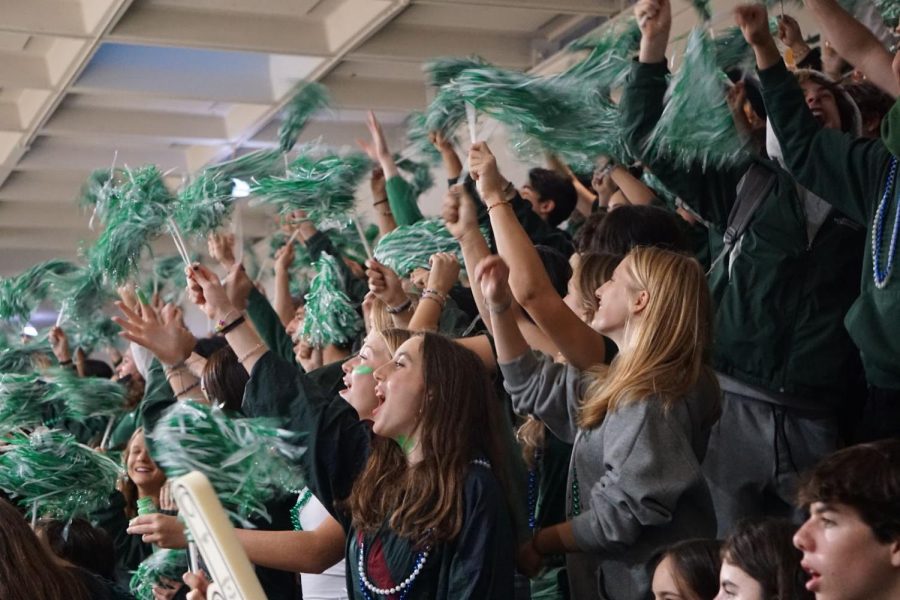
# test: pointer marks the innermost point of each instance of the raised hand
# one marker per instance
(207, 292)
(789, 31)
(459, 212)
(384, 283)
(377, 149)
(198, 583)
(439, 141)
(284, 258)
(162, 334)
(221, 248)
(654, 18)
(59, 342)
(754, 23)
(492, 274)
(483, 167)
(444, 272)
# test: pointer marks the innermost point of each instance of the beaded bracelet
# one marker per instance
(436, 292)
(430, 295)
(396, 310)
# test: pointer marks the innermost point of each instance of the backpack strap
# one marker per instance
(752, 189)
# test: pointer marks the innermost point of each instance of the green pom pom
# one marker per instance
(696, 124)
(703, 8)
(64, 478)
(323, 186)
(100, 194)
(96, 333)
(446, 112)
(141, 216)
(20, 295)
(609, 61)
(331, 318)
(248, 461)
(562, 114)
(441, 71)
(421, 179)
(84, 397)
(22, 401)
(162, 564)
(308, 100)
(410, 247)
(417, 138)
(19, 358)
(80, 294)
(890, 11)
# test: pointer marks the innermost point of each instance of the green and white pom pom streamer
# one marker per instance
(206, 203)
(19, 357)
(81, 398)
(331, 318)
(410, 247)
(22, 401)
(417, 139)
(80, 294)
(324, 186)
(565, 115)
(696, 126)
(142, 216)
(248, 461)
(421, 179)
(20, 295)
(307, 101)
(162, 564)
(52, 471)
(609, 61)
(98, 332)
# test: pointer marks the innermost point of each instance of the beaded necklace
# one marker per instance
(366, 586)
(883, 274)
(302, 500)
(576, 495)
(532, 489)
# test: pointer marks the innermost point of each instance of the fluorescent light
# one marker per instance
(29, 330)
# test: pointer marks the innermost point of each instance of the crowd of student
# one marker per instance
(690, 392)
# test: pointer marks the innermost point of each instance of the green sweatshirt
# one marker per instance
(850, 174)
(478, 564)
(402, 200)
(781, 300)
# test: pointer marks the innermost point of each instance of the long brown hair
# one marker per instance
(669, 352)
(459, 422)
(27, 569)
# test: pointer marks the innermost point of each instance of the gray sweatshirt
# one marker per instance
(638, 474)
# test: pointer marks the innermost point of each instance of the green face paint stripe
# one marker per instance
(406, 444)
(363, 370)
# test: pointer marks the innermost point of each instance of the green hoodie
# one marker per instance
(781, 297)
(850, 174)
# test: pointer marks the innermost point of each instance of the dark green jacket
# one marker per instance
(850, 174)
(479, 563)
(780, 303)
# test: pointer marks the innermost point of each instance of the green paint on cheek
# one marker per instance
(363, 370)
(406, 443)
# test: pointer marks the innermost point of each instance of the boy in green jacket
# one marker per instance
(858, 178)
(782, 355)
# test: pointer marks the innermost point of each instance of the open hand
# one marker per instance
(163, 334)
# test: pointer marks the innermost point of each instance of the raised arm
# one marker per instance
(283, 304)
(581, 345)
(856, 44)
(400, 196)
(448, 155)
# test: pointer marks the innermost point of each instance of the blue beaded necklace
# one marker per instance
(883, 273)
(532, 489)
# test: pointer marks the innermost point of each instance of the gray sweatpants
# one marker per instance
(757, 451)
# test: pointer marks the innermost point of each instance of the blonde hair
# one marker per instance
(668, 353)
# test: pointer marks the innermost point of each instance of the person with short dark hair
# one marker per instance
(760, 563)
(80, 543)
(552, 196)
(851, 541)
